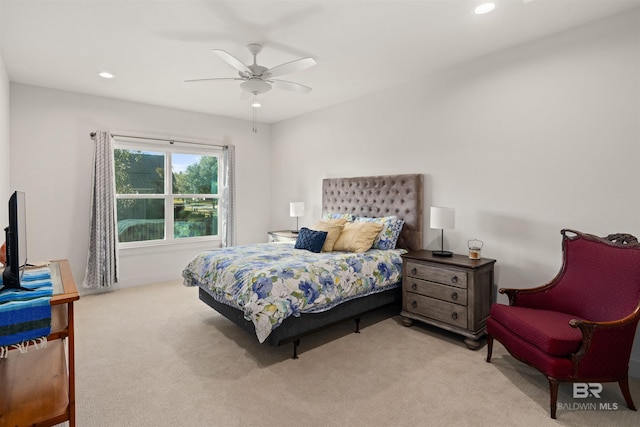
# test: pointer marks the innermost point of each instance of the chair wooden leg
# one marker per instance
(553, 390)
(624, 388)
(489, 347)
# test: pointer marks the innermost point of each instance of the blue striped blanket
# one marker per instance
(25, 316)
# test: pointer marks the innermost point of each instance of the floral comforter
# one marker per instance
(272, 281)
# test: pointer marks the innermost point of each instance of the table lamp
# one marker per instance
(296, 209)
(442, 218)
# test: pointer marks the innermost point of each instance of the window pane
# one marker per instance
(139, 172)
(194, 174)
(140, 219)
(195, 217)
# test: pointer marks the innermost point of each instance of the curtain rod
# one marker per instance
(170, 141)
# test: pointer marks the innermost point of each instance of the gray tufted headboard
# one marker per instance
(375, 196)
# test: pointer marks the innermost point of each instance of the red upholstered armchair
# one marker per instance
(579, 327)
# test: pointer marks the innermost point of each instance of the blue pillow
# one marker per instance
(311, 240)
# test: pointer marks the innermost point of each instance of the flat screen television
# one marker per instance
(16, 234)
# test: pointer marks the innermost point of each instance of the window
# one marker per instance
(155, 206)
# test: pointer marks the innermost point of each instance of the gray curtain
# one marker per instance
(229, 196)
(102, 262)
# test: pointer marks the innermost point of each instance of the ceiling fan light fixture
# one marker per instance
(255, 85)
(484, 8)
(256, 103)
(256, 79)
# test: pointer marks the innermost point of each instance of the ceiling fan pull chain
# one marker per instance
(255, 118)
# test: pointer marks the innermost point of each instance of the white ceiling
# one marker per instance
(360, 46)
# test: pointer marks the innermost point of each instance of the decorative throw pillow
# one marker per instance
(310, 240)
(331, 215)
(388, 236)
(357, 236)
(333, 232)
(336, 221)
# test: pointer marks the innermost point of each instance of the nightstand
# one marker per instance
(282, 236)
(453, 293)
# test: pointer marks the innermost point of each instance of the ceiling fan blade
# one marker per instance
(295, 87)
(216, 78)
(232, 60)
(292, 66)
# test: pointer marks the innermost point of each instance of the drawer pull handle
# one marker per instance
(414, 271)
(454, 316)
(414, 286)
(454, 296)
(414, 304)
(454, 279)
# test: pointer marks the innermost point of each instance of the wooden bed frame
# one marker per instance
(376, 196)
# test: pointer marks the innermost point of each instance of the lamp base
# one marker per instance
(441, 253)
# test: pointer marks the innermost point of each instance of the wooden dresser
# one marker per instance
(37, 388)
(453, 293)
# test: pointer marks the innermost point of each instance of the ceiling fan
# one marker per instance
(257, 79)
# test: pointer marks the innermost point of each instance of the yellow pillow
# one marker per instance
(335, 221)
(357, 236)
(333, 232)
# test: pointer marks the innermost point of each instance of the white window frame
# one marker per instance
(168, 196)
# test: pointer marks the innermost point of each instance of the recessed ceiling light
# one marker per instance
(256, 104)
(106, 75)
(484, 8)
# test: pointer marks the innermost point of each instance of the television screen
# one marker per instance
(21, 216)
(16, 234)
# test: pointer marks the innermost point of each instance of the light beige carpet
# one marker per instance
(157, 356)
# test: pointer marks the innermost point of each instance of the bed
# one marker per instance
(240, 290)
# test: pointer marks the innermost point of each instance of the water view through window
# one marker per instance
(148, 200)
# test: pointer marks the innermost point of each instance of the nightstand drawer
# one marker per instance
(437, 274)
(452, 314)
(438, 291)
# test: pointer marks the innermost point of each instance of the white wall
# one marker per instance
(4, 148)
(522, 143)
(51, 154)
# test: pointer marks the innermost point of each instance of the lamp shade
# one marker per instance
(443, 218)
(296, 209)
